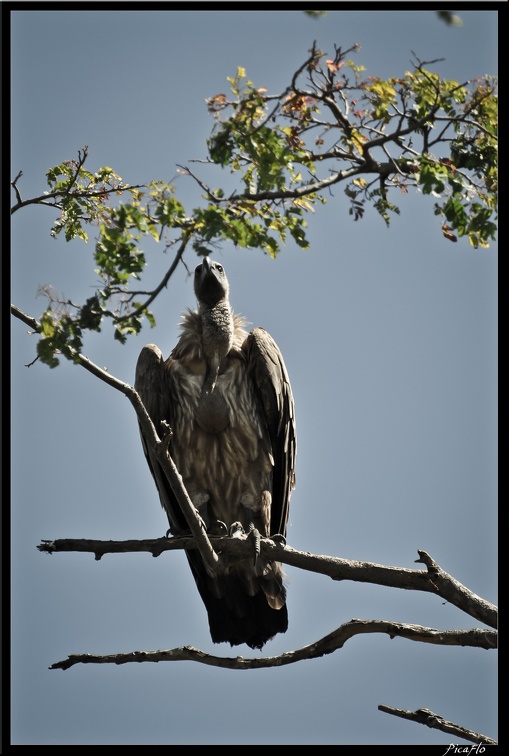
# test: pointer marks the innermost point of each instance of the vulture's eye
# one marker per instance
(219, 268)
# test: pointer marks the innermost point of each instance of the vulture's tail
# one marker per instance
(239, 613)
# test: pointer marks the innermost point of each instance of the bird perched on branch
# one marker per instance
(226, 395)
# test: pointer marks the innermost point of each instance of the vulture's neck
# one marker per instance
(217, 338)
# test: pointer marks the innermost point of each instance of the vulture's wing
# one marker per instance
(151, 383)
(267, 369)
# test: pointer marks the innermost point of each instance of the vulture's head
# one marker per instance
(210, 283)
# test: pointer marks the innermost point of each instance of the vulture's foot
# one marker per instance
(218, 528)
(236, 530)
(279, 539)
(254, 534)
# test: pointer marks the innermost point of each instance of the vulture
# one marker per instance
(226, 395)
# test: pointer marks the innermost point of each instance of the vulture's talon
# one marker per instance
(218, 528)
(279, 539)
(254, 534)
(236, 530)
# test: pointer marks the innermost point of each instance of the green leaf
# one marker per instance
(169, 211)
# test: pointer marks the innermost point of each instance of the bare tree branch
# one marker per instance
(433, 580)
(327, 645)
(430, 719)
(160, 448)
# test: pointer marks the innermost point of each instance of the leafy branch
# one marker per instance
(332, 125)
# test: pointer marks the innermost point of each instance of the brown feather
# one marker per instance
(232, 416)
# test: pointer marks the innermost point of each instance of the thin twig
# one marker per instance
(153, 294)
(210, 194)
(14, 184)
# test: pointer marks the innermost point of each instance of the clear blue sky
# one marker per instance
(390, 339)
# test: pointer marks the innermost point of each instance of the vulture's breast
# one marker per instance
(229, 413)
(212, 413)
(229, 406)
(220, 443)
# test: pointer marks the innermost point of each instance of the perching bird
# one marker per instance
(226, 395)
